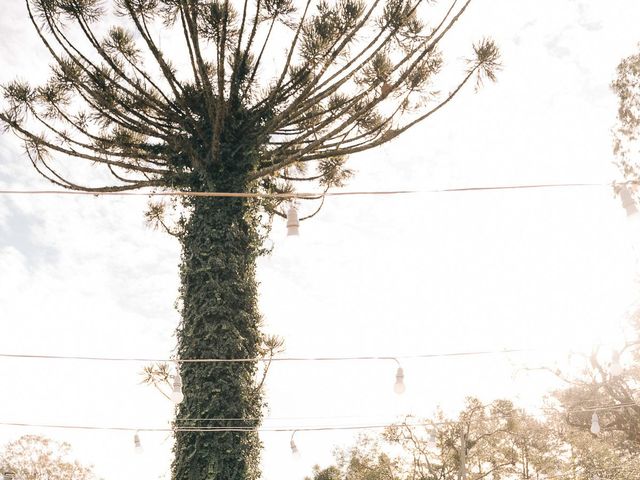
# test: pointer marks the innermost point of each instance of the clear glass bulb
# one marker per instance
(595, 424)
(176, 395)
(294, 450)
(293, 223)
(399, 387)
(137, 444)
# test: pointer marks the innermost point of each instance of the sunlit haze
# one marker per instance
(550, 271)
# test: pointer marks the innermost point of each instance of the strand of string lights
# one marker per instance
(299, 428)
(589, 409)
(316, 195)
(268, 359)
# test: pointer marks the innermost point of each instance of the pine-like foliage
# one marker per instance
(232, 96)
(351, 75)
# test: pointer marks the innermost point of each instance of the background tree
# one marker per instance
(501, 443)
(208, 114)
(626, 134)
(626, 144)
(609, 380)
(607, 386)
(587, 456)
(38, 458)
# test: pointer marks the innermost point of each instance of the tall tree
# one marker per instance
(38, 458)
(209, 114)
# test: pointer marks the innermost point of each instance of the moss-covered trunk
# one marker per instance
(220, 319)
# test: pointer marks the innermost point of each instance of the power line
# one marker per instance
(316, 195)
(265, 359)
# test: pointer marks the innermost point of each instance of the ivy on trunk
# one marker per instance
(220, 320)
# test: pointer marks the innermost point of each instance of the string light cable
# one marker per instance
(177, 395)
(316, 195)
(272, 359)
(590, 409)
(291, 429)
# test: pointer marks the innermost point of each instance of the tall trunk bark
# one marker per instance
(220, 319)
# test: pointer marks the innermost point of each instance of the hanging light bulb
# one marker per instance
(137, 444)
(615, 369)
(293, 223)
(294, 448)
(176, 395)
(627, 201)
(595, 424)
(399, 387)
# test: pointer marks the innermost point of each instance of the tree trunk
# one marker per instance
(220, 319)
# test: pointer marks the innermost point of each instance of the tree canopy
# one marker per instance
(626, 138)
(353, 76)
(38, 458)
(502, 443)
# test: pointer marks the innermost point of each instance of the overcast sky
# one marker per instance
(548, 269)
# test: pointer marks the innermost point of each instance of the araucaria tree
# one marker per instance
(229, 96)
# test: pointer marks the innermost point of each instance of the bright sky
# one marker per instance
(546, 269)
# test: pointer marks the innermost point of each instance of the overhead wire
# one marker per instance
(308, 428)
(266, 359)
(316, 195)
(293, 195)
(589, 409)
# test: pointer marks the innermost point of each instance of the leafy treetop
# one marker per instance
(352, 75)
